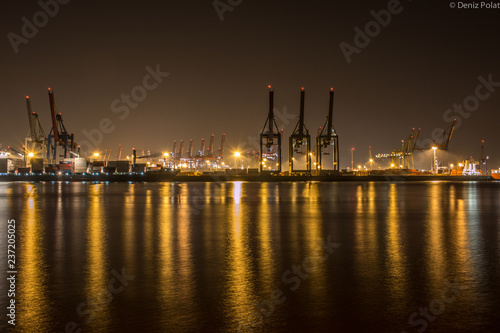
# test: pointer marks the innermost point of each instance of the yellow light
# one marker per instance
(451, 165)
(434, 148)
(237, 154)
(31, 154)
(371, 159)
(96, 154)
(165, 154)
(392, 165)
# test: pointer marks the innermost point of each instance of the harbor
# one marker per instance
(57, 156)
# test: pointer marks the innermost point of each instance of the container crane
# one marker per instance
(58, 134)
(328, 137)
(446, 137)
(181, 150)
(270, 140)
(36, 140)
(174, 150)
(211, 147)
(483, 160)
(202, 149)
(221, 148)
(190, 152)
(300, 138)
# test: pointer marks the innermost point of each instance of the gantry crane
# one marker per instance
(211, 147)
(190, 152)
(270, 141)
(221, 148)
(58, 135)
(36, 142)
(446, 137)
(328, 137)
(299, 140)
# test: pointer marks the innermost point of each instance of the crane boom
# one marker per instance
(30, 118)
(202, 151)
(211, 146)
(53, 115)
(190, 148)
(451, 133)
(222, 142)
(415, 140)
(181, 149)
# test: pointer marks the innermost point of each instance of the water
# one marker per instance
(272, 257)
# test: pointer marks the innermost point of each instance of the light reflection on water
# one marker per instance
(205, 255)
(32, 290)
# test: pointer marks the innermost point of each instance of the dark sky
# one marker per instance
(427, 59)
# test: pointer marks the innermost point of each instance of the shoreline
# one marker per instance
(171, 177)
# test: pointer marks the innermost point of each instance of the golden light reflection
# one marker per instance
(97, 275)
(129, 233)
(434, 248)
(266, 241)
(367, 257)
(398, 275)
(461, 242)
(239, 280)
(312, 256)
(366, 232)
(148, 231)
(167, 289)
(293, 226)
(59, 252)
(183, 297)
(32, 312)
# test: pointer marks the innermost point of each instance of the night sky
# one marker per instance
(425, 60)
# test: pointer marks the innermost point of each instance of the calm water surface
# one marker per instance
(236, 256)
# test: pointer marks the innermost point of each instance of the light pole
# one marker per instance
(434, 169)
